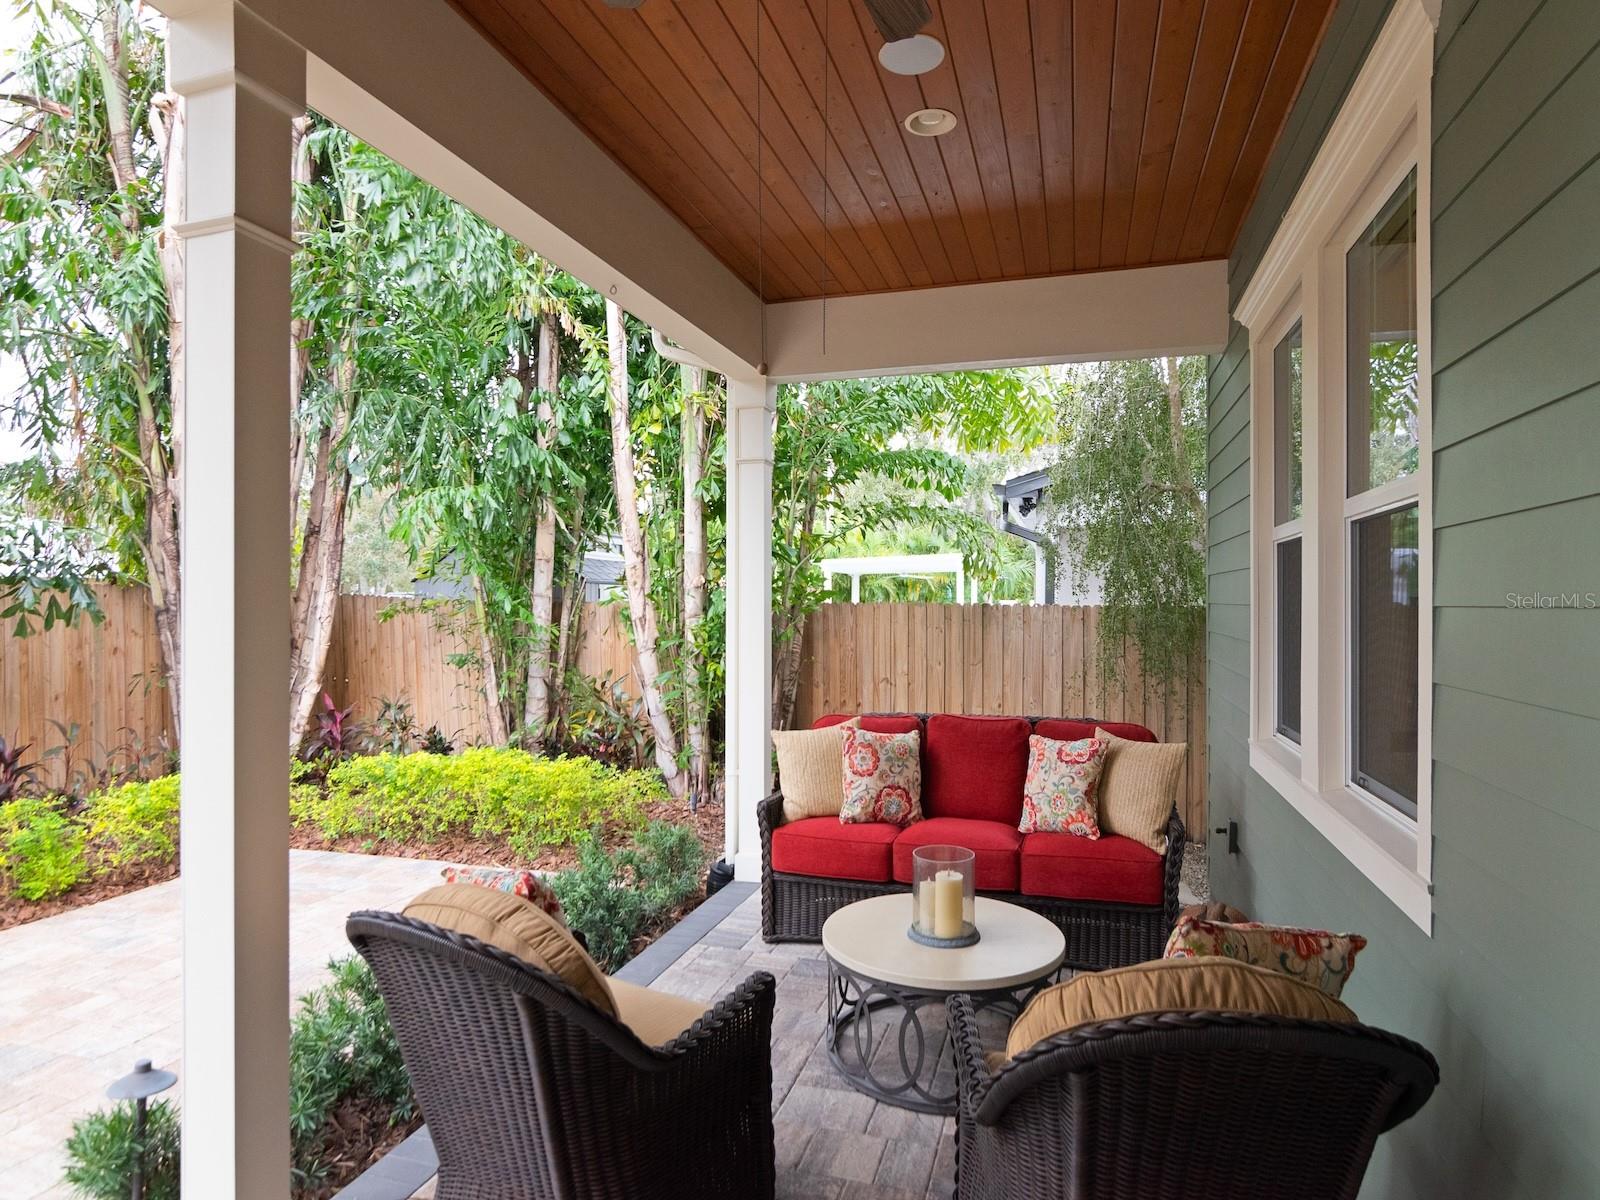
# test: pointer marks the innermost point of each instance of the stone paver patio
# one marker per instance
(84, 994)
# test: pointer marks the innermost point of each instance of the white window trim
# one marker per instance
(1379, 135)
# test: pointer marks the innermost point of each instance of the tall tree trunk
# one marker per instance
(494, 704)
(299, 336)
(316, 595)
(640, 609)
(536, 713)
(160, 458)
(694, 580)
(786, 671)
(1180, 451)
(571, 612)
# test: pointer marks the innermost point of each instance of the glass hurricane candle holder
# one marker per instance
(942, 896)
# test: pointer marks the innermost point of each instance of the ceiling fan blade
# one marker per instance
(623, 3)
(897, 19)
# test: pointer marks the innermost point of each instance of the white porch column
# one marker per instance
(242, 82)
(748, 698)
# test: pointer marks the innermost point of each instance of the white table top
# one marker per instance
(1015, 947)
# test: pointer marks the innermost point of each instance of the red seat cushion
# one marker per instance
(892, 723)
(827, 847)
(993, 845)
(1069, 867)
(1070, 731)
(974, 767)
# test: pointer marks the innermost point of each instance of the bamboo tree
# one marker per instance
(93, 278)
(694, 581)
(641, 608)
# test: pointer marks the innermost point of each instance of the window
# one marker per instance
(1289, 507)
(1341, 480)
(1383, 446)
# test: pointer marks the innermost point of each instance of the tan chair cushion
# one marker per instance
(655, 1017)
(518, 926)
(1138, 787)
(1169, 985)
(810, 771)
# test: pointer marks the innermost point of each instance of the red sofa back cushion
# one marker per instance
(1071, 731)
(974, 767)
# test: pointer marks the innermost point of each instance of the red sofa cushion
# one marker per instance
(1070, 731)
(974, 767)
(827, 847)
(1110, 868)
(993, 845)
(894, 723)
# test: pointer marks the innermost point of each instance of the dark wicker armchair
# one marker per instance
(532, 1093)
(1183, 1106)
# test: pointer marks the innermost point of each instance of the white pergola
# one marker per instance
(416, 81)
(899, 565)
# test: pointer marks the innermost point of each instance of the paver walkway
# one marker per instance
(84, 994)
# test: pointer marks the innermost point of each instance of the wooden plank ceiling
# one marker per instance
(1092, 135)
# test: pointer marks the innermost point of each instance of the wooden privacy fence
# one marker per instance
(995, 659)
(106, 678)
(1002, 660)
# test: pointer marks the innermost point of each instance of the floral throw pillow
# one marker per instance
(1314, 956)
(882, 777)
(1063, 781)
(527, 884)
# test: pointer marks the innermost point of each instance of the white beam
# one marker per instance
(748, 696)
(241, 84)
(416, 80)
(1090, 317)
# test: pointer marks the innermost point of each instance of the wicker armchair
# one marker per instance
(1183, 1106)
(531, 1092)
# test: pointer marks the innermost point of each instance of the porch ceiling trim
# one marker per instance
(1138, 313)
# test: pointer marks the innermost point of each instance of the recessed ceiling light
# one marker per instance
(911, 56)
(931, 122)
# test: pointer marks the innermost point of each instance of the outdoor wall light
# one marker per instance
(931, 122)
(912, 56)
(139, 1087)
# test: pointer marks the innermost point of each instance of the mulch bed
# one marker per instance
(117, 882)
(358, 1134)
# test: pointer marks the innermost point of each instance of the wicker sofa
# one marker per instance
(1113, 898)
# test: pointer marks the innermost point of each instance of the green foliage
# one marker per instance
(83, 291)
(341, 1047)
(614, 896)
(1126, 497)
(103, 1150)
(134, 823)
(528, 801)
(41, 849)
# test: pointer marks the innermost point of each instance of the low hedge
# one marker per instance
(48, 845)
(528, 801)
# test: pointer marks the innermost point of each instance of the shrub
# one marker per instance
(134, 823)
(613, 897)
(102, 1151)
(484, 791)
(341, 1047)
(41, 849)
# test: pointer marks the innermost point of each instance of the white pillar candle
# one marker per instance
(947, 904)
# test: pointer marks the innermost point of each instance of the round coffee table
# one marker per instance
(873, 965)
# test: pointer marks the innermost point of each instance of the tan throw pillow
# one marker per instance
(508, 922)
(808, 771)
(1138, 788)
(1169, 985)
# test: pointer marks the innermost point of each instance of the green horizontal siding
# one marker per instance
(1505, 990)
